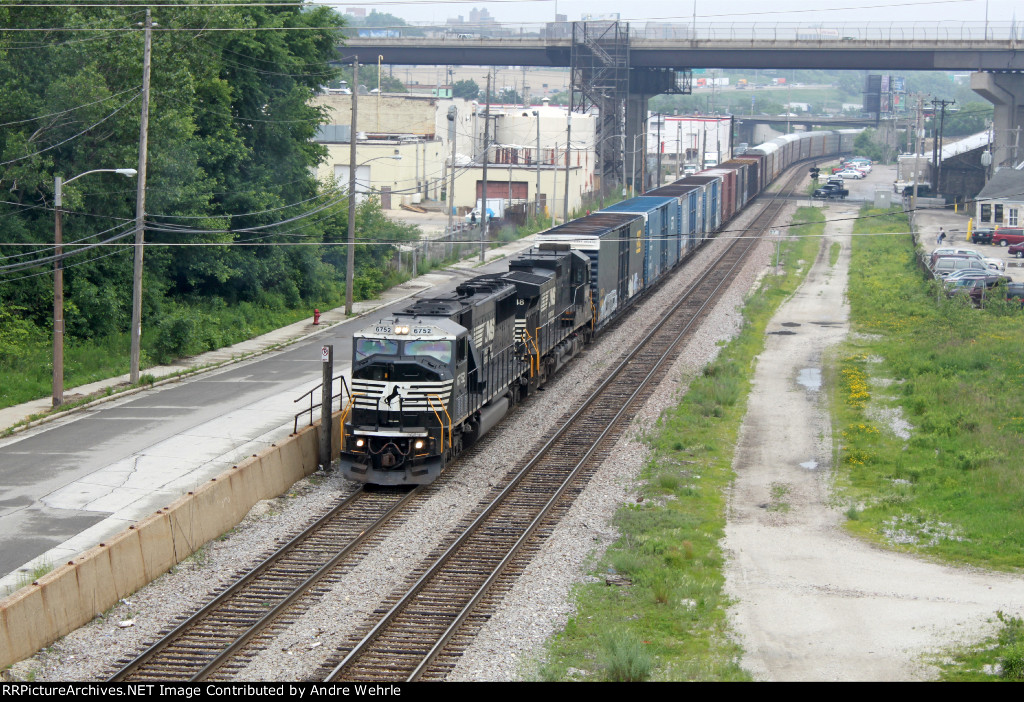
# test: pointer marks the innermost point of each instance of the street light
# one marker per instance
(350, 265)
(58, 277)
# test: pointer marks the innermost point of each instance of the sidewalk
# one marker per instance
(78, 493)
(17, 415)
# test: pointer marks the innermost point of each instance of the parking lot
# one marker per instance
(929, 218)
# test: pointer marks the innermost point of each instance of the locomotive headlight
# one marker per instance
(401, 330)
(360, 443)
(419, 444)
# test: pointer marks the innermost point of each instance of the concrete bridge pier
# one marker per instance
(636, 121)
(1006, 92)
(745, 133)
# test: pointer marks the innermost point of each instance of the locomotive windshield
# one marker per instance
(368, 347)
(441, 350)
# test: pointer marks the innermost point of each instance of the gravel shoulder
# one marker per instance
(529, 614)
(813, 603)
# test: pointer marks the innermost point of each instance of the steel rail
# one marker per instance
(149, 656)
(537, 520)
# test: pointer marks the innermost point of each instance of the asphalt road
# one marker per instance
(71, 482)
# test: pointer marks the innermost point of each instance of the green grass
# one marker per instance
(1000, 657)
(28, 374)
(189, 329)
(672, 611)
(26, 579)
(953, 488)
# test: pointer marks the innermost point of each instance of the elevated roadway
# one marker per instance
(897, 51)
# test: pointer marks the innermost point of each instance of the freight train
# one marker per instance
(433, 378)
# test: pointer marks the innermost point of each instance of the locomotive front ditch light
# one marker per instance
(419, 443)
(360, 443)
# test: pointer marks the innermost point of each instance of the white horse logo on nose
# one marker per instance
(391, 393)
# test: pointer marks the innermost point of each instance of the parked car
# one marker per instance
(966, 273)
(1016, 250)
(850, 173)
(977, 288)
(1015, 291)
(830, 192)
(954, 251)
(996, 264)
(1004, 236)
(923, 190)
(948, 264)
(982, 235)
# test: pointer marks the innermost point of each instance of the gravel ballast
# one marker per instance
(512, 641)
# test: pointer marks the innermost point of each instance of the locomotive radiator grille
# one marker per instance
(384, 395)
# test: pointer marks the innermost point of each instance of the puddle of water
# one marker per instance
(783, 332)
(791, 324)
(810, 378)
(809, 465)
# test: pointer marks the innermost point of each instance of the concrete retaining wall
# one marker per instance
(72, 594)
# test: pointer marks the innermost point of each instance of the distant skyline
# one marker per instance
(829, 12)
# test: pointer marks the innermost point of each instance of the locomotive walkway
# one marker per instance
(76, 477)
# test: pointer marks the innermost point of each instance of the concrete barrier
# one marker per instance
(74, 593)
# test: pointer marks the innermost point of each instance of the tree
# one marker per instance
(230, 154)
(508, 96)
(467, 89)
(867, 144)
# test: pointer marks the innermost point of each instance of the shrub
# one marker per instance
(1013, 662)
(175, 336)
(624, 657)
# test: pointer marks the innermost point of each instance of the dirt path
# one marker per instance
(812, 602)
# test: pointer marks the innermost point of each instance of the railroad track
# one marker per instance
(423, 629)
(201, 645)
(422, 632)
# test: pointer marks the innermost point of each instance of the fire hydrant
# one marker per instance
(316, 317)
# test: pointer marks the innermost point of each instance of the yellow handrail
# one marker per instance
(441, 402)
(537, 347)
(344, 413)
(530, 340)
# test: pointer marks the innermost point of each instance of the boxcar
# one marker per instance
(614, 243)
(661, 232)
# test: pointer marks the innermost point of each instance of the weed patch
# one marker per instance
(948, 482)
(670, 622)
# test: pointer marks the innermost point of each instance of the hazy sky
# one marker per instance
(738, 11)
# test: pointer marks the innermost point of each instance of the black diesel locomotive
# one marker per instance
(431, 379)
(436, 376)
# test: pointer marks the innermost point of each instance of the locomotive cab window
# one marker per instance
(369, 347)
(441, 350)
(460, 347)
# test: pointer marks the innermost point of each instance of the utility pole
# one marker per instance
(568, 158)
(917, 152)
(937, 149)
(536, 195)
(483, 202)
(703, 143)
(140, 204)
(453, 113)
(554, 185)
(679, 146)
(58, 296)
(658, 145)
(350, 256)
